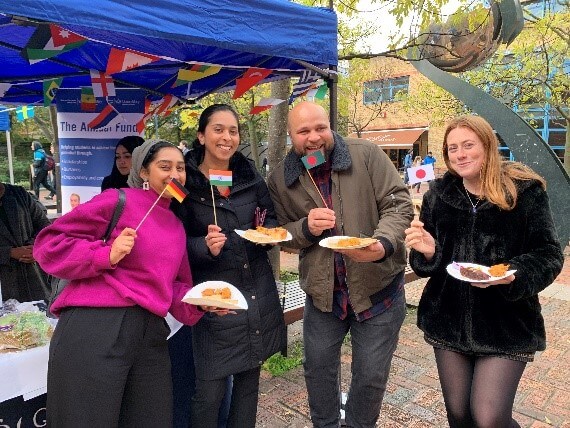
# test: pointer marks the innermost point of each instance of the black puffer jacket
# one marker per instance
(233, 343)
(500, 319)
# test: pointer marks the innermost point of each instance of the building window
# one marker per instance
(382, 91)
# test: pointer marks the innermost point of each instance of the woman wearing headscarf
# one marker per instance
(108, 362)
(122, 163)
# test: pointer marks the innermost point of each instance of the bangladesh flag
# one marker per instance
(50, 40)
(313, 159)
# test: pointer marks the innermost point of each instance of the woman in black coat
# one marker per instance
(21, 219)
(234, 344)
(485, 211)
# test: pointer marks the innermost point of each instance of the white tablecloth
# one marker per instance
(24, 373)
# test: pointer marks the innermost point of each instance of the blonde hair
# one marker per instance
(497, 176)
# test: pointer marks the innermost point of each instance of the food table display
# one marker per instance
(24, 336)
(23, 367)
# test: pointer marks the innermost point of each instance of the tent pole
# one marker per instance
(333, 95)
(10, 165)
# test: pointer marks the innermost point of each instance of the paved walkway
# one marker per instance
(413, 397)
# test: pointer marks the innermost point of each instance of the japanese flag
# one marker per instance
(417, 174)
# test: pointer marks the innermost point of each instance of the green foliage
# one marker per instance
(277, 364)
(288, 276)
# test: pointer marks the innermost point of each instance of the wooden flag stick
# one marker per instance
(317, 187)
(214, 205)
(150, 209)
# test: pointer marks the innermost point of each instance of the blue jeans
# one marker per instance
(373, 344)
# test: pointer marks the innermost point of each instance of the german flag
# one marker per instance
(177, 190)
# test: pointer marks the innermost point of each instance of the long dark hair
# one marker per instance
(117, 180)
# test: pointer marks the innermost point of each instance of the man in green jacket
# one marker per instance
(356, 192)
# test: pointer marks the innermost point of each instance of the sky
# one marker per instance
(378, 15)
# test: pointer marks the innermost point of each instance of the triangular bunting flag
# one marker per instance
(265, 104)
(24, 112)
(103, 118)
(50, 40)
(308, 78)
(318, 93)
(166, 104)
(50, 88)
(4, 88)
(103, 85)
(196, 72)
(249, 79)
(121, 60)
(88, 101)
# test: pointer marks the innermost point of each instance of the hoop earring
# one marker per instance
(146, 186)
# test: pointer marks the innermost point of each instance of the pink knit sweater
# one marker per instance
(155, 275)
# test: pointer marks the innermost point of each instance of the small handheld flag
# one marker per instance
(310, 161)
(421, 173)
(313, 159)
(177, 190)
(220, 177)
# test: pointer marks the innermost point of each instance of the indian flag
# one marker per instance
(177, 190)
(220, 178)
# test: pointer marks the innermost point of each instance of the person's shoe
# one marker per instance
(49, 197)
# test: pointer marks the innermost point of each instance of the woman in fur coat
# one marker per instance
(485, 211)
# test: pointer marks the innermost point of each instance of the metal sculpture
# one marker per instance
(456, 49)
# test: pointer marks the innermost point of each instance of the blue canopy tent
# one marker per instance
(284, 37)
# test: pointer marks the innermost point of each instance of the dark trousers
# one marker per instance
(184, 381)
(109, 367)
(209, 394)
(41, 178)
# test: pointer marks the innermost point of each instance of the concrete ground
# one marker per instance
(413, 397)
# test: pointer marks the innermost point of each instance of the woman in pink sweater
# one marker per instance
(109, 363)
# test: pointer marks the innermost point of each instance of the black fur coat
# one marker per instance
(500, 319)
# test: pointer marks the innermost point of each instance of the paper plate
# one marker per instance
(332, 242)
(259, 238)
(194, 296)
(453, 270)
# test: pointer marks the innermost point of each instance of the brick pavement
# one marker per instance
(413, 397)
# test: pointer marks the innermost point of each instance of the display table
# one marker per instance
(23, 387)
(26, 371)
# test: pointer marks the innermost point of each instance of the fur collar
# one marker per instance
(340, 157)
(450, 190)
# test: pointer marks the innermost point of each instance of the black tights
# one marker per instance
(478, 391)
